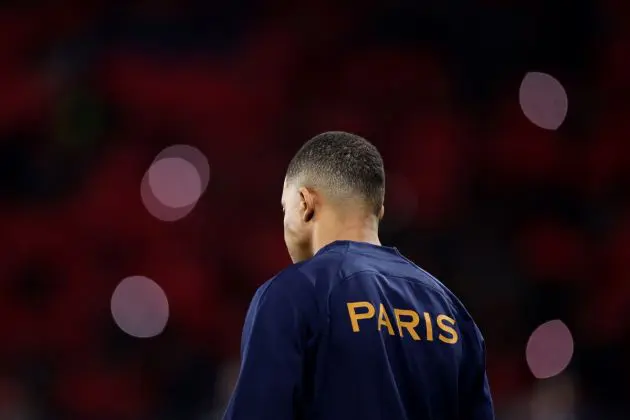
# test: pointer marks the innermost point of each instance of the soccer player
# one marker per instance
(353, 330)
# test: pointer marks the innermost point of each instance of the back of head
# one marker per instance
(343, 166)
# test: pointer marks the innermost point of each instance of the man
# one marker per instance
(353, 330)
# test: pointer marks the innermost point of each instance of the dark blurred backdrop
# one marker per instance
(525, 223)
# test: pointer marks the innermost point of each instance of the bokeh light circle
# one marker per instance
(139, 307)
(192, 155)
(549, 349)
(157, 209)
(543, 100)
(175, 182)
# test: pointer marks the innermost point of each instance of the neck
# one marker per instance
(364, 229)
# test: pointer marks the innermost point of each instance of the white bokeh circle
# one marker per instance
(543, 100)
(140, 307)
(175, 182)
(549, 349)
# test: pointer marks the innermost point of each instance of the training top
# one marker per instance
(359, 332)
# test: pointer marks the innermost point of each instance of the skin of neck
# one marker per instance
(335, 225)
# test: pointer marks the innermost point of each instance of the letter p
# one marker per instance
(355, 317)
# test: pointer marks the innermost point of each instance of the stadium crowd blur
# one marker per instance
(525, 224)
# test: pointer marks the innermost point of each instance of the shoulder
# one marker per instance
(306, 281)
(323, 267)
(289, 284)
(446, 294)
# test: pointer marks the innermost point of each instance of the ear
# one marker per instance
(381, 213)
(307, 203)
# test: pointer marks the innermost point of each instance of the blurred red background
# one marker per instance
(525, 224)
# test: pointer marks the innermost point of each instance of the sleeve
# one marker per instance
(272, 353)
(475, 397)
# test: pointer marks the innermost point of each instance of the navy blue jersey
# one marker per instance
(359, 332)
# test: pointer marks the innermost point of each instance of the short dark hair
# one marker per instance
(344, 164)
